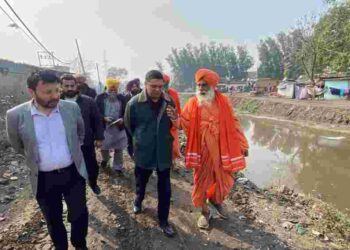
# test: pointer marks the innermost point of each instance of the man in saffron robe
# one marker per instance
(174, 130)
(216, 146)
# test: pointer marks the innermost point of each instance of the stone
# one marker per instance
(283, 189)
(218, 244)
(7, 174)
(14, 163)
(242, 181)
(47, 247)
(4, 181)
(287, 225)
(14, 178)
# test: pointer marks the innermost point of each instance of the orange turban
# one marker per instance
(166, 78)
(207, 75)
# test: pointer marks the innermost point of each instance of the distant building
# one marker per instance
(339, 85)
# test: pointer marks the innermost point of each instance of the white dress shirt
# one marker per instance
(51, 140)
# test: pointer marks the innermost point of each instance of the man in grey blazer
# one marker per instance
(49, 132)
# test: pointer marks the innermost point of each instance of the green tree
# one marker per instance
(289, 45)
(333, 33)
(270, 57)
(309, 53)
(223, 59)
(245, 61)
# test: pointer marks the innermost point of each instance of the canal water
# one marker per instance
(308, 160)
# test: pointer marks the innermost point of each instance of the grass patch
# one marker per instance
(248, 106)
(328, 220)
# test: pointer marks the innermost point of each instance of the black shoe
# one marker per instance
(168, 230)
(137, 209)
(104, 164)
(81, 248)
(96, 189)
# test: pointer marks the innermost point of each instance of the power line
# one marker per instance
(19, 27)
(30, 32)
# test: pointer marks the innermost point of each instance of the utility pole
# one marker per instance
(99, 79)
(80, 58)
(98, 73)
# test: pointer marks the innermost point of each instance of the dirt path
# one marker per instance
(255, 220)
(259, 219)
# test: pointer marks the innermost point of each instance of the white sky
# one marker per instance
(134, 33)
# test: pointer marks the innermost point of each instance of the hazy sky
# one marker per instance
(136, 33)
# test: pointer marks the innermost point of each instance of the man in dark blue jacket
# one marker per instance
(93, 126)
(149, 125)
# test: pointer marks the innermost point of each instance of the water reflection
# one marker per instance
(309, 160)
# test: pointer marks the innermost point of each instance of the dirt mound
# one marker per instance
(335, 113)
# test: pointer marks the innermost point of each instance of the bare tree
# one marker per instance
(160, 66)
(117, 72)
(309, 52)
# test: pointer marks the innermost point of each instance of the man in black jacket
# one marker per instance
(84, 88)
(93, 126)
(132, 88)
(147, 120)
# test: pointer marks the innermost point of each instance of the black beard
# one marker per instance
(135, 92)
(70, 94)
(47, 104)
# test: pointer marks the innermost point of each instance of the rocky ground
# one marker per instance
(259, 219)
(13, 174)
(275, 218)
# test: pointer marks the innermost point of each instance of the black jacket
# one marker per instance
(150, 130)
(88, 91)
(92, 119)
(128, 95)
(100, 100)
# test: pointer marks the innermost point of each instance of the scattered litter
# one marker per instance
(314, 232)
(300, 229)
(287, 225)
(242, 180)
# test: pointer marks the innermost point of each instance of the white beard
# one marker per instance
(207, 98)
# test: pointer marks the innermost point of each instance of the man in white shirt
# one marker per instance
(49, 132)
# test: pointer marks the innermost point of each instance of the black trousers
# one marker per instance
(164, 191)
(52, 186)
(130, 144)
(91, 163)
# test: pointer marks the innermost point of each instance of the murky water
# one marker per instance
(308, 160)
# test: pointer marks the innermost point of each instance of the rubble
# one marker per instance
(261, 219)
